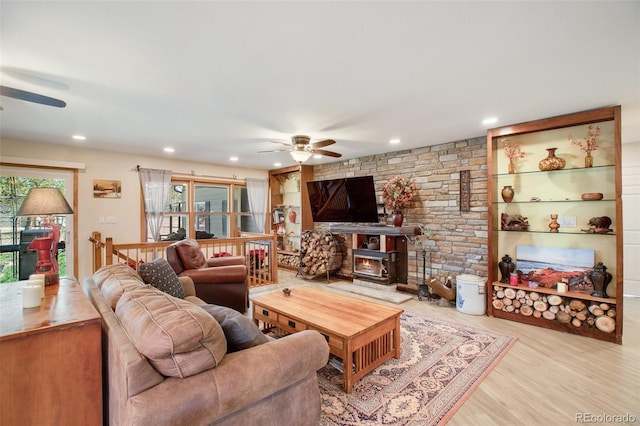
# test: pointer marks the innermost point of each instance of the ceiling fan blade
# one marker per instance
(327, 153)
(23, 95)
(281, 143)
(323, 143)
(275, 150)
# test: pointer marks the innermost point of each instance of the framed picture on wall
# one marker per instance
(107, 188)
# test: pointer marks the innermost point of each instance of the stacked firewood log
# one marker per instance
(320, 251)
(288, 261)
(553, 307)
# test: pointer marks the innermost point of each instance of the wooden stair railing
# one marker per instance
(259, 251)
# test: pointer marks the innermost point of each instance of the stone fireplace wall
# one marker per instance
(459, 238)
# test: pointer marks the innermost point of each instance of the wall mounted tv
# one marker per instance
(343, 200)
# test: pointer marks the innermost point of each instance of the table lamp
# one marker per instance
(45, 202)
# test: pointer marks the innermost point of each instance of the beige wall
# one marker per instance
(631, 216)
(109, 165)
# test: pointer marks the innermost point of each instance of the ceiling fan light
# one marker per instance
(300, 156)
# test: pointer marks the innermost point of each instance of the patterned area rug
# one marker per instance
(441, 364)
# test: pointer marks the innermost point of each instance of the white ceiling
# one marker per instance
(221, 79)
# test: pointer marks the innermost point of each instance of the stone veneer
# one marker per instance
(459, 239)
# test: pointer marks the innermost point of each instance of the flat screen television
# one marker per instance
(343, 200)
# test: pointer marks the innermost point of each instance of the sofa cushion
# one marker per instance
(190, 254)
(120, 270)
(240, 331)
(178, 337)
(162, 276)
(114, 287)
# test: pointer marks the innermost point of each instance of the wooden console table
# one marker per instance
(50, 358)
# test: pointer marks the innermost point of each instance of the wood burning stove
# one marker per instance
(386, 265)
(372, 265)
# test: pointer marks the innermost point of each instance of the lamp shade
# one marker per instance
(43, 202)
(300, 156)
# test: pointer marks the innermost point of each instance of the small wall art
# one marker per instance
(465, 190)
(107, 188)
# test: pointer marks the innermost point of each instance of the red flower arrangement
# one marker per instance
(398, 193)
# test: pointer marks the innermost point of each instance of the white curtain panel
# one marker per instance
(257, 190)
(155, 189)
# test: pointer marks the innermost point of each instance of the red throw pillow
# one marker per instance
(222, 254)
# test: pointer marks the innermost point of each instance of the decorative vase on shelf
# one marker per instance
(554, 225)
(511, 168)
(588, 160)
(507, 193)
(506, 267)
(397, 218)
(551, 162)
(281, 229)
(292, 216)
(600, 279)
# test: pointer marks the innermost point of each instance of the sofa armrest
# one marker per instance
(188, 285)
(226, 261)
(241, 379)
(222, 274)
(262, 370)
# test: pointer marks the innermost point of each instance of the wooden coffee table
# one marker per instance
(366, 333)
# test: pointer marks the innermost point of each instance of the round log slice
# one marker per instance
(606, 324)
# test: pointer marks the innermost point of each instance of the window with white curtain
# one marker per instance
(199, 209)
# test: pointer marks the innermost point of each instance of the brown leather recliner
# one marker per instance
(220, 280)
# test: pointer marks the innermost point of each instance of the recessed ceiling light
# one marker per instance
(394, 141)
(490, 120)
(233, 158)
(169, 149)
(277, 164)
(79, 137)
(317, 155)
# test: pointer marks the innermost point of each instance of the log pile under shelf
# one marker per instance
(290, 261)
(554, 307)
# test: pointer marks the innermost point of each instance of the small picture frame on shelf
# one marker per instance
(278, 216)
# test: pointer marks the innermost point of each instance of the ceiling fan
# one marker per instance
(23, 95)
(301, 148)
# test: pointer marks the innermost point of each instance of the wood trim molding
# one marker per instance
(22, 161)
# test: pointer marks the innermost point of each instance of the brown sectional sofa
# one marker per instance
(185, 377)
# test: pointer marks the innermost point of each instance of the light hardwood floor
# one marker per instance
(548, 377)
